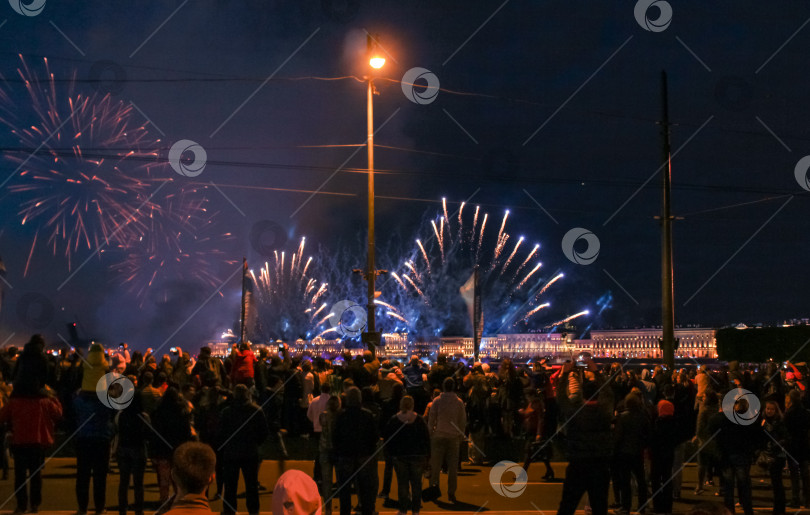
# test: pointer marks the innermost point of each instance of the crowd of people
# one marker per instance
(202, 421)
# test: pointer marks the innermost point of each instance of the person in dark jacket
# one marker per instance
(408, 443)
(737, 442)
(414, 374)
(208, 370)
(93, 439)
(355, 443)
(132, 426)
(587, 415)
(171, 424)
(243, 430)
(774, 452)
(665, 437)
(797, 422)
(32, 420)
(32, 371)
(632, 437)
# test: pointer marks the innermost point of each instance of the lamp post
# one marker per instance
(371, 338)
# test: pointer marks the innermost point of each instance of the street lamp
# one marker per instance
(371, 337)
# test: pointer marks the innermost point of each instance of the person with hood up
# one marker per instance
(296, 493)
(408, 442)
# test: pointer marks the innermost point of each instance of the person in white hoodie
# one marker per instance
(408, 443)
(295, 493)
(446, 421)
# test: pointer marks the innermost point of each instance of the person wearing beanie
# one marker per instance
(95, 366)
(296, 493)
(665, 437)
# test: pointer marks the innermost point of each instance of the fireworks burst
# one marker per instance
(287, 302)
(180, 242)
(427, 283)
(83, 166)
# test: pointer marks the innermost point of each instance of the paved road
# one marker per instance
(475, 494)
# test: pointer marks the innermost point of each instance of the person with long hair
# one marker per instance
(171, 422)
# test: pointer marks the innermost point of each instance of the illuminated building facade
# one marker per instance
(693, 342)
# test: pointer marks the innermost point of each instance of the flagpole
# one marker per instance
(244, 298)
(477, 329)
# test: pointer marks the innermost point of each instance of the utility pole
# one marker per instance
(371, 337)
(668, 342)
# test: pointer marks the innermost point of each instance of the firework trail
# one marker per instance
(536, 268)
(529, 257)
(567, 319)
(501, 238)
(396, 315)
(481, 236)
(460, 223)
(535, 310)
(548, 284)
(424, 255)
(85, 167)
(512, 255)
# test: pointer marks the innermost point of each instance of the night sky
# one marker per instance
(548, 109)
